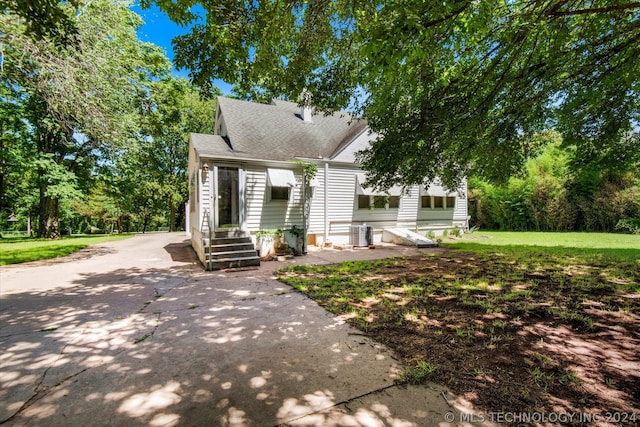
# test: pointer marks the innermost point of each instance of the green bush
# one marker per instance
(549, 197)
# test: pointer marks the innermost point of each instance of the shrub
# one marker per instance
(547, 196)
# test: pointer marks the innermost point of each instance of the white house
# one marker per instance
(245, 179)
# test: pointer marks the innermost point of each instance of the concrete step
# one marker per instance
(229, 247)
(233, 254)
(224, 234)
(222, 263)
(227, 240)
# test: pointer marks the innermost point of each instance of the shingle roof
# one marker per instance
(212, 146)
(277, 132)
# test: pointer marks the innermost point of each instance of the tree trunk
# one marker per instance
(49, 218)
(172, 218)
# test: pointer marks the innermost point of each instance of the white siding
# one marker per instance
(460, 211)
(194, 201)
(409, 205)
(206, 215)
(255, 186)
(341, 198)
(265, 214)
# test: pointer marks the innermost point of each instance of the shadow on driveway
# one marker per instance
(177, 346)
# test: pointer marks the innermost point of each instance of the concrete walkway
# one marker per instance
(133, 332)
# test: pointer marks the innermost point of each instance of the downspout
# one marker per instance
(326, 203)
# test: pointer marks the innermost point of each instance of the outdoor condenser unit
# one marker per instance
(361, 235)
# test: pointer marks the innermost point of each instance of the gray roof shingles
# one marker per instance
(277, 132)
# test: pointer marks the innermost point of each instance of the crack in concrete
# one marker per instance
(40, 390)
(335, 405)
(38, 331)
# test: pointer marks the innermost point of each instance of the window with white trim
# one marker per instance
(437, 202)
(369, 198)
(280, 193)
(366, 201)
(280, 183)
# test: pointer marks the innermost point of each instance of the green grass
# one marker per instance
(23, 249)
(451, 314)
(595, 248)
(565, 240)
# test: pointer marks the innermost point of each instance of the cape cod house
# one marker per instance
(247, 179)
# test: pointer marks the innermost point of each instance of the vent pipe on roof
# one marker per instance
(305, 106)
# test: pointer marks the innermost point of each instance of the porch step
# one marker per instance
(230, 247)
(226, 251)
(221, 264)
(219, 241)
(235, 254)
(230, 234)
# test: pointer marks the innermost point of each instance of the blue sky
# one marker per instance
(159, 30)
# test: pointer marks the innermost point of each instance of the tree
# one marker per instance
(450, 87)
(45, 18)
(77, 100)
(175, 109)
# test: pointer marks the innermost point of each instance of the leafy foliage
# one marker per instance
(76, 100)
(96, 133)
(448, 87)
(45, 19)
(550, 196)
(175, 109)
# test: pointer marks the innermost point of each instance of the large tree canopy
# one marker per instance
(73, 101)
(45, 18)
(448, 85)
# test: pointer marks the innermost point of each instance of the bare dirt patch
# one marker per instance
(511, 337)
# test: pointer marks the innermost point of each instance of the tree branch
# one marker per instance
(616, 8)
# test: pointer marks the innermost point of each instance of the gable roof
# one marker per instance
(277, 132)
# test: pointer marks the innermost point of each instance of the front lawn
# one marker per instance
(508, 323)
(14, 250)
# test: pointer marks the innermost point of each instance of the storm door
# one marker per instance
(228, 197)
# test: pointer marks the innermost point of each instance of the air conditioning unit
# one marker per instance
(361, 235)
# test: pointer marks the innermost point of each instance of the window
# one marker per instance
(439, 202)
(451, 202)
(378, 202)
(280, 193)
(372, 198)
(394, 202)
(425, 202)
(364, 202)
(281, 181)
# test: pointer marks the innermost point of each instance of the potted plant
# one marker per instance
(280, 245)
(265, 240)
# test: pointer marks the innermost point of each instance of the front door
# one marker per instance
(228, 197)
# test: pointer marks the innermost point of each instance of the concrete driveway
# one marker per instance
(133, 332)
